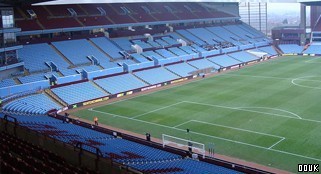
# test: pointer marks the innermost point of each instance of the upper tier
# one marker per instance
(117, 14)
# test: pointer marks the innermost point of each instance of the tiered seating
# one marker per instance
(88, 68)
(28, 25)
(123, 43)
(226, 35)
(150, 76)
(38, 104)
(182, 166)
(121, 150)
(205, 35)
(36, 55)
(181, 69)
(19, 156)
(177, 51)
(224, 61)
(190, 37)
(188, 49)
(7, 82)
(127, 61)
(78, 92)
(139, 57)
(142, 44)
(170, 40)
(243, 56)
(165, 53)
(269, 49)
(313, 49)
(108, 47)
(203, 64)
(70, 50)
(162, 43)
(152, 54)
(240, 32)
(291, 48)
(121, 83)
(32, 78)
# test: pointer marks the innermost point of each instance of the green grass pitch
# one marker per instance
(269, 113)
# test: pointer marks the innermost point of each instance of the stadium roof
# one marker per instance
(54, 2)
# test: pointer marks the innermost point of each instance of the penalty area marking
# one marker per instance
(220, 138)
(275, 109)
(303, 79)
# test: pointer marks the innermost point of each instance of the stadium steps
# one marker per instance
(26, 72)
(277, 49)
(191, 65)
(140, 78)
(63, 56)
(59, 73)
(96, 46)
(42, 27)
(47, 10)
(22, 13)
(98, 87)
(17, 80)
(80, 7)
(172, 71)
(55, 98)
(80, 23)
(214, 62)
(107, 17)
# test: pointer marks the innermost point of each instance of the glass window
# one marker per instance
(7, 18)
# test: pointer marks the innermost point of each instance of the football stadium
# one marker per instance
(155, 87)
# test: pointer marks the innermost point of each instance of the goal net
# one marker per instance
(183, 144)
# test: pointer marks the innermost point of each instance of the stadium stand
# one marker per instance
(35, 57)
(68, 48)
(291, 48)
(38, 104)
(203, 64)
(76, 47)
(313, 49)
(108, 47)
(269, 49)
(142, 157)
(224, 61)
(163, 75)
(79, 92)
(243, 56)
(182, 166)
(7, 82)
(181, 69)
(121, 83)
(19, 156)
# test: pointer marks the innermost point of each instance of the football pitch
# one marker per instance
(269, 113)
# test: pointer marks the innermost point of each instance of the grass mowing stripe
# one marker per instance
(236, 128)
(240, 109)
(155, 110)
(225, 139)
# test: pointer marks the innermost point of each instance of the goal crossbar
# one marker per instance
(172, 141)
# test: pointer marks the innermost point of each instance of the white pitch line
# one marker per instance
(276, 143)
(264, 77)
(240, 109)
(308, 61)
(155, 110)
(303, 79)
(245, 130)
(186, 122)
(276, 109)
(225, 139)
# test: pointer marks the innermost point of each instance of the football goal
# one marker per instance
(184, 144)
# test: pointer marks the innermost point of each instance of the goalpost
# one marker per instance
(183, 143)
